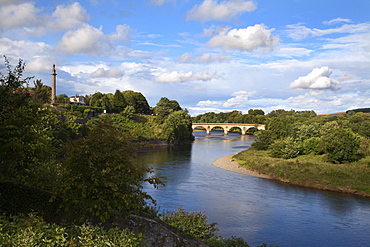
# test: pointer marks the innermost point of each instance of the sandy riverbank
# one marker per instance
(227, 163)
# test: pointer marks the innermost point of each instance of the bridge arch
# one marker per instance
(227, 127)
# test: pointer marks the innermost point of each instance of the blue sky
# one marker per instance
(209, 55)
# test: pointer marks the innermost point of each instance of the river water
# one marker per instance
(256, 209)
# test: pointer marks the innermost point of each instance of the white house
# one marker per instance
(77, 100)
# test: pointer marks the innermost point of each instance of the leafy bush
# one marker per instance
(34, 231)
(341, 145)
(264, 140)
(309, 146)
(99, 177)
(228, 242)
(287, 148)
(191, 223)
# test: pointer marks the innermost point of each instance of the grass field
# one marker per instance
(311, 171)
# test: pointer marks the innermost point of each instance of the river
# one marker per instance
(256, 209)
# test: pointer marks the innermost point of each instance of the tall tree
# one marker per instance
(177, 127)
(165, 107)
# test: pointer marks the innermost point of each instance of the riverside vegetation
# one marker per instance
(63, 183)
(323, 152)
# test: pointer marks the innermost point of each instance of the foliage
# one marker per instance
(311, 171)
(24, 144)
(99, 177)
(41, 93)
(32, 230)
(62, 99)
(341, 145)
(264, 140)
(228, 242)
(191, 223)
(310, 146)
(177, 127)
(165, 107)
(285, 148)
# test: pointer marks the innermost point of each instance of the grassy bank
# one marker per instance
(311, 171)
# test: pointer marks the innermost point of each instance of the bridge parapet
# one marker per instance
(227, 126)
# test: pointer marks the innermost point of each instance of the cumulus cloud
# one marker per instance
(318, 79)
(68, 16)
(110, 73)
(248, 39)
(240, 99)
(86, 39)
(39, 64)
(22, 15)
(209, 103)
(212, 10)
(176, 76)
(123, 34)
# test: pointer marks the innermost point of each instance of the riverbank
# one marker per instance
(228, 164)
(306, 170)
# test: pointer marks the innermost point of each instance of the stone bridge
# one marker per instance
(227, 126)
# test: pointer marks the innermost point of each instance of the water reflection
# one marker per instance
(259, 210)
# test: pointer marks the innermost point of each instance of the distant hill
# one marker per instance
(364, 110)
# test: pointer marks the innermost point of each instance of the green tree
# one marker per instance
(284, 148)
(165, 107)
(96, 99)
(137, 100)
(341, 145)
(24, 143)
(177, 127)
(62, 99)
(42, 93)
(256, 112)
(119, 100)
(100, 179)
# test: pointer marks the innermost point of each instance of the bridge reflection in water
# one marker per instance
(227, 127)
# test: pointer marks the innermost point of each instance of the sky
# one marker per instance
(209, 55)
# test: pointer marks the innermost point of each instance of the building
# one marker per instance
(77, 100)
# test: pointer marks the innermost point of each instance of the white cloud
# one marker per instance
(22, 15)
(86, 39)
(212, 10)
(337, 20)
(176, 76)
(39, 64)
(8, 2)
(250, 38)
(110, 73)
(299, 31)
(205, 58)
(209, 103)
(240, 99)
(123, 33)
(318, 79)
(31, 52)
(68, 17)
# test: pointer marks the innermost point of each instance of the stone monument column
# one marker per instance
(53, 85)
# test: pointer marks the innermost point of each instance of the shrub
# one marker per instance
(286, 148)
(32, 230)
(309, 146)
(191, 223)
(341, 145)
